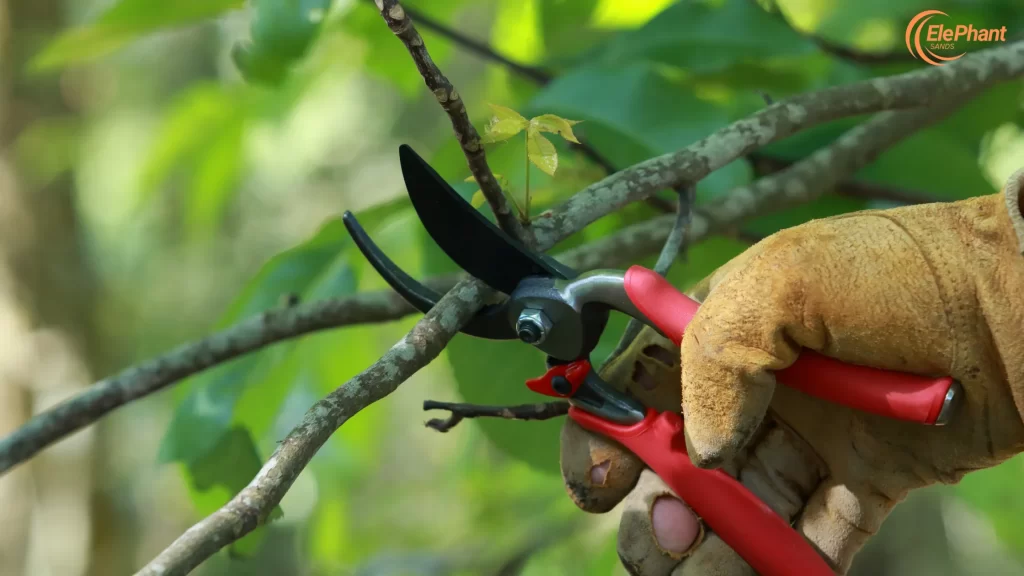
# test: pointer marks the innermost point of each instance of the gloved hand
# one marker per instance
(934, 289)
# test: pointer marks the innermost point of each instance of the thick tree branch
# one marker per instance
(943, 83)
(400, 23)
(540, 411)
(251, 507)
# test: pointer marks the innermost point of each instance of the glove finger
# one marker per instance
(657, 530)
(714, 558)
(827, 286)
(840, 518)
(597, 472)
(783, 472)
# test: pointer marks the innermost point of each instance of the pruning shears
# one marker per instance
(563, 313)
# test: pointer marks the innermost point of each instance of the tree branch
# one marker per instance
(251, 334)
(251, 507)
(469, 139)
(540, 411)
(948, 82)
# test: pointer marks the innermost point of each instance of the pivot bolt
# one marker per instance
(533, 326)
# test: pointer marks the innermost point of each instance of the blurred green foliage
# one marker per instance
(645, 78)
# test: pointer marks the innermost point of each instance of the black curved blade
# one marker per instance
(490, 322)
(469, 239)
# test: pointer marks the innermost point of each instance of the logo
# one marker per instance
(941, 37)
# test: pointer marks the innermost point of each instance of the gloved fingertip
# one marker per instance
(676, 528)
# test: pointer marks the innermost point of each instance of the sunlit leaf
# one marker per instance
(505, 124)
(123, 22)
(703, 36)
(478, 199)
(542, 152)
(556, 125)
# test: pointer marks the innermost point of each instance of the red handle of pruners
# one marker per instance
(888, 393)
(759, 535)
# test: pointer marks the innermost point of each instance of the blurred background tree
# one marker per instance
(165, 164)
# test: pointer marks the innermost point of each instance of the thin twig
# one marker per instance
(541, 411)
(448, 97)
(153, 375)
(482, 49)
(675, 246)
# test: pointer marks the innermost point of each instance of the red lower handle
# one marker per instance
(760, 536)
(894, 394)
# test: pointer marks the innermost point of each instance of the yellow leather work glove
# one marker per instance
(935, 289)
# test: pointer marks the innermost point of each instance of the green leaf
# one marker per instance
(215, 176)
(123, 22)
(202, 137)
(505, 124)
(282, 31)
(541, 152)
(555, 125)
(226, 469)
(633, 113)
(709, 36)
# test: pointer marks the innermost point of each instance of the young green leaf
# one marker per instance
(505, 124)
(541, 151)
(478, 199)
(556, 125)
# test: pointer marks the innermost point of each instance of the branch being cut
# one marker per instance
(540, 411)
(675, 245)
(448, 97)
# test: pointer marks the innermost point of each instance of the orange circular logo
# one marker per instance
(939, 36)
